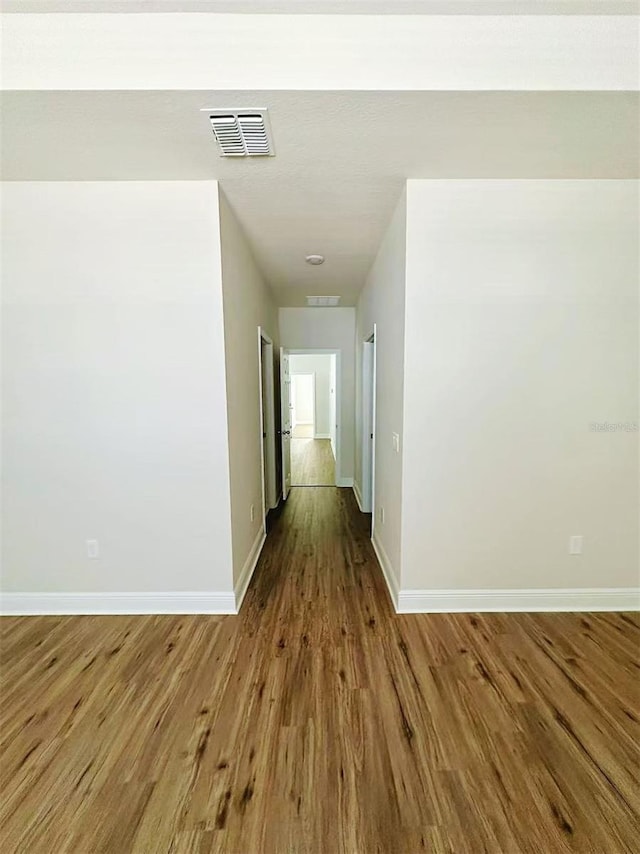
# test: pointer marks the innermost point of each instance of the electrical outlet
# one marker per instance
(252, 513)
(575, 544)
(382, 515)
(93, 550)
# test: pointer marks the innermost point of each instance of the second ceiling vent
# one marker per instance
(242, 133)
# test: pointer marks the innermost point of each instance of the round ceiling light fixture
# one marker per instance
(315, 260)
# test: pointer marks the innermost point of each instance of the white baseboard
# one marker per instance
(571, 599)
(387, 570)
(247, 569)
(358, 495)
(322, 436)
(205, 602)
(345, 481)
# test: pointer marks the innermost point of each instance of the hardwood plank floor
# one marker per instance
(312, 463)
(318, 721)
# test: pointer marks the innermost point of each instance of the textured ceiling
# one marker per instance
(341, 158)
(337, 7)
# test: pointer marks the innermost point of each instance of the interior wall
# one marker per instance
(113, 388)
(329, 329)
(320, 365)
(247, 305)
(382, 302)
(302, 398)
(521, 334)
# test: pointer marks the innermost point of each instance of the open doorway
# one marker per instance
(311, 408)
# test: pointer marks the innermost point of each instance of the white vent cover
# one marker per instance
(323, 301)
(242, 133)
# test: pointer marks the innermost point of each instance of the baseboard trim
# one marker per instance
(473, 601)
(345, 481)
(206, 602)
(248, 568)
(387, 570)
(322, 436)
(358, 495)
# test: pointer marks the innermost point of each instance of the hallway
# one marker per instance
(312, 462)
(318, 721)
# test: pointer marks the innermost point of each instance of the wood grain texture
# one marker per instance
(312, 463)
(318, 721)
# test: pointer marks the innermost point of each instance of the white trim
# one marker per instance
(571, 599)
(178, 602)
(387, 570)
(248, 568)
(368, 424)
(267, 436)
(344, 482)
(322, 436)
(358, 495)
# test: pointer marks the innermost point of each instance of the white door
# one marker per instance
(285, 428)
(368, 423)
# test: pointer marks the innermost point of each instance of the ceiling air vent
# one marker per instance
(242, 133)
(323, 301)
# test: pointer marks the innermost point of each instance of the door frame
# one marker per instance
(267, 426)
(337, 352)
(368, 422)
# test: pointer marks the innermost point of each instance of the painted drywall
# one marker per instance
(320, 366)
(521, 332)
(302, 400)
(113, 416)
(329, 329)
(247, 305)
(376, 52)
(382, 302)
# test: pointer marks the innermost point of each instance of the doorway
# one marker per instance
(310, 413)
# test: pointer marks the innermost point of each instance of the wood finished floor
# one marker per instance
(312, 462)
(318, 721)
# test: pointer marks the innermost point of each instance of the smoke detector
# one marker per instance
(314, 260)
(242, 133)
(322, 301)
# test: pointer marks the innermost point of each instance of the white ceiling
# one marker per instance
(341, 157)
(337, 7)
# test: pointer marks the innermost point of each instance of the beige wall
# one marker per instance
(328, 329)
(247, 305)
(521, 330)
(383, 302)
(113, 415)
